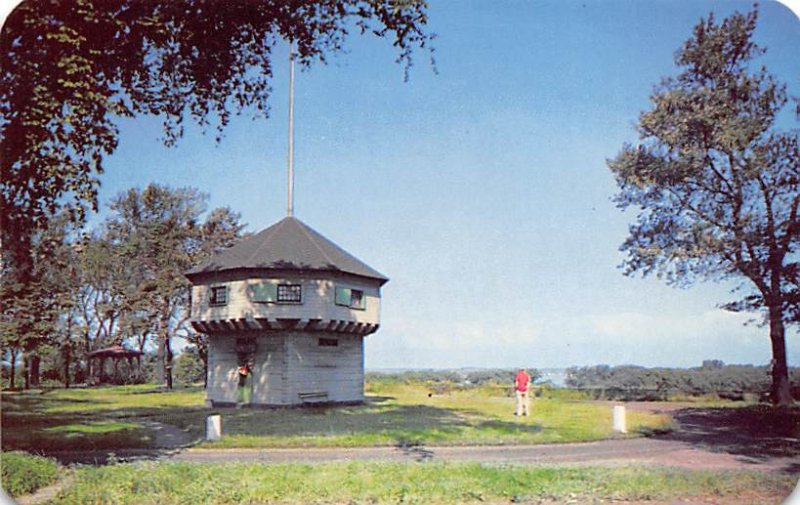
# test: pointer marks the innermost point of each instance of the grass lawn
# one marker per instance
(402, 413)
(90, 418)
(181, 483)
(116, 417)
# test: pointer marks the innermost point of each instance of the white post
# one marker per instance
(619, 419)
(214, 428)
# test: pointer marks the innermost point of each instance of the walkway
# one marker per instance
(645, 451)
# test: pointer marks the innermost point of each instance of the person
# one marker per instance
(521, 383)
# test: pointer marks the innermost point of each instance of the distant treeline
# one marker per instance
(503, 376)
(637, 382)
(626, 382)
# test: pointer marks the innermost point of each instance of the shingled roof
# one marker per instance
(288, 244)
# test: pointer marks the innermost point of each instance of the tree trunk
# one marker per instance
(13, 351)
(67, 362)
(164, 354)
(34, 362)
(26, 371)
(160, 359)
(168, 367)
(780, 393)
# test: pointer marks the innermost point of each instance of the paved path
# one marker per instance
(646, 451)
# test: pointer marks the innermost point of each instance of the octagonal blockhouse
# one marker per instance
(286, 312)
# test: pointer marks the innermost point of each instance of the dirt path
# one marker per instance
(645, 451)
(47, 493)
(168, 436)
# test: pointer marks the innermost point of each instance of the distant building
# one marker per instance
(286, 312)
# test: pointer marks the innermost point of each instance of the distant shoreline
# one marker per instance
(556, 376)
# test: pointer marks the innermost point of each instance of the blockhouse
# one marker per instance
(286, 312)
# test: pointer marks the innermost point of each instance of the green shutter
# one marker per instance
(264, 292)
(342, 296)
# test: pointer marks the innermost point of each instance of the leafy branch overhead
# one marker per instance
(716, 184)
(70, 68)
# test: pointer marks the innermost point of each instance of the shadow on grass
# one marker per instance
(756, 431)
(33, 423)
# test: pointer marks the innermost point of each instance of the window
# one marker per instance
(219, 296)
(328, 342)
(290, 293)
(269, 292)
(353, 298)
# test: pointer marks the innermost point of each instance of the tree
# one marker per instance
(157, 233)
(716, 183)
(35, 318)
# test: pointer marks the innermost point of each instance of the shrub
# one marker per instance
(24, 473)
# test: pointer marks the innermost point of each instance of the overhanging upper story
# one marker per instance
(286, 277)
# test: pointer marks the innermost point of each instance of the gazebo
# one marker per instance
(115, 353)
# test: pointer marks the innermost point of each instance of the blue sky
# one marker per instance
(482, 191)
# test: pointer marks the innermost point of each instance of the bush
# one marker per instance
(189, 368)
(24, 473)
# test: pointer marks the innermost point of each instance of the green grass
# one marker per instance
(90, 418)
(25, 473)
(181, 483)
(405, 413)
(116, 417)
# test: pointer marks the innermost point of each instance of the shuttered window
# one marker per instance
(348, 297)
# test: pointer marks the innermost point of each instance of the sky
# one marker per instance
(480, 187)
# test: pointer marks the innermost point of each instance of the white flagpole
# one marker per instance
(290, 203)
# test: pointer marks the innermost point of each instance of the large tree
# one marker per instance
(158, 233)
(716, 182)
(71, 67)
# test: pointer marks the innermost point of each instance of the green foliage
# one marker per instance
(377, 482)
(716, 185)
(189, 368)
(460, 378)
(25, 473)
(640, 383)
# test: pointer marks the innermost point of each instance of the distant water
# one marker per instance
(555, 376)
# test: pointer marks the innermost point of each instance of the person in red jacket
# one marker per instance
(521, 383)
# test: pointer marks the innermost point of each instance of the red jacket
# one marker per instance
(522, 380)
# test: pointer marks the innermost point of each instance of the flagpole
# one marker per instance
(290, 158)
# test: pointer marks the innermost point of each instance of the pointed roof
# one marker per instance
(288, 244)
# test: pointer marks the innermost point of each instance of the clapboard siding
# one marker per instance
(318, 297)
(337, 371)
(223, 378)
(269, 370)
(287, 365)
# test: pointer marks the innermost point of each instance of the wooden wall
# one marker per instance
(290, 368)
(318, 301)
